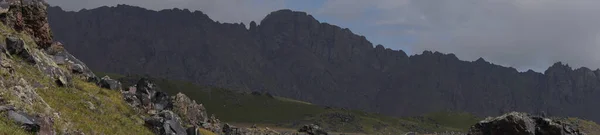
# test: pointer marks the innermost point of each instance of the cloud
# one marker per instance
(526, 34)
(233, 11)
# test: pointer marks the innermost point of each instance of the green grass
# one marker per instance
(205, 132)
(456, 120)
(589, 127)
(111, 115)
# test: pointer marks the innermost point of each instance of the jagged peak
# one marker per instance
(288, 14)
(481, 60)
(379, 47)
(558, 66)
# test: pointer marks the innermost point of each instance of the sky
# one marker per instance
(525, 34)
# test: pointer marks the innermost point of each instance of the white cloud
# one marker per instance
(520, 33)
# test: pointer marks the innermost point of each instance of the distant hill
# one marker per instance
(291, 54)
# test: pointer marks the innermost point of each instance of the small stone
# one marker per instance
(91, 105)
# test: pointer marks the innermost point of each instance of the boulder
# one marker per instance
(145, 90)
(131, 99)
(75, 65)
(515, 123)
(16, 46)
(160, 101)
(312, 129)
(108, 83)
(191, 112)
(27, 122)
(165, 123)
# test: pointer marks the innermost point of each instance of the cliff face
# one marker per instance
(293, 55)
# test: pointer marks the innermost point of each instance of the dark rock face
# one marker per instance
(522, 124)
(293, 55)
(31, 17)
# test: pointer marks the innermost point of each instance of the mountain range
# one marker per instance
(291, 54)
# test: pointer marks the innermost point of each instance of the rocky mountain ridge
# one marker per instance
(291, 54)
(46, 90)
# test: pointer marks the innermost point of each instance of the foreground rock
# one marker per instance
(312, 130)
(515, 123)
(166, 123)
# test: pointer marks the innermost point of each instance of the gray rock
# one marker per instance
(515, 123)
(165, 123)
(75, 65)
(161, 101)
(27, 122)
(191, 112)
(108, 83)
(131, 99)
(16, 46)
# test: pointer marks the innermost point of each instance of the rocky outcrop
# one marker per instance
(515, 123)
(29, 16)
(176, 114)
(193, 113)
(291, 54)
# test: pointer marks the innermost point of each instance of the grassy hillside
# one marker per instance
(80, 107)
(264, 109)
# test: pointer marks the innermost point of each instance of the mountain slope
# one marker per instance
(248, 108)
(293, 55)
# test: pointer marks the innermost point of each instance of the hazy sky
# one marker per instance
(526, 34)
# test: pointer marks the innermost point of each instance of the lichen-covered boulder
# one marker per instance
(191, 112)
